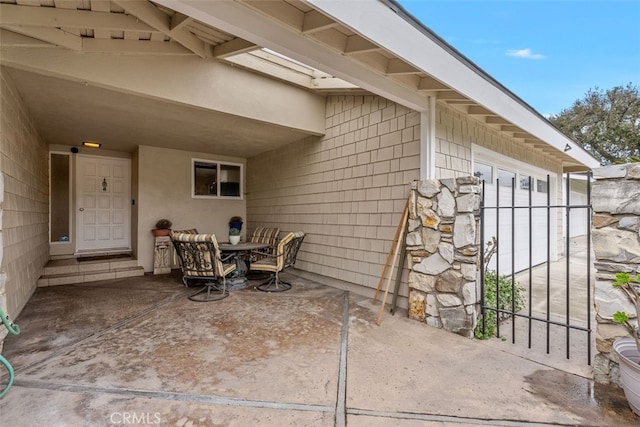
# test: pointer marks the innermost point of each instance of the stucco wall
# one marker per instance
(25, 204)
(164, 191)
(346, 190)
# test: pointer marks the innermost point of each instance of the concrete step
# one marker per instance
(70, 271)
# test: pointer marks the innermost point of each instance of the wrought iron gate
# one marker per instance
(517, 227)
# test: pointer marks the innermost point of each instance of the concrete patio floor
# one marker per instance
(136, 351)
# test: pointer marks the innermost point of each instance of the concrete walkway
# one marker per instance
(137, 352)
(555, 306)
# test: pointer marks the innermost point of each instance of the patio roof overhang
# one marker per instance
(318, 45)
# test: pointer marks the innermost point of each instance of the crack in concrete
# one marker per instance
(341, 400)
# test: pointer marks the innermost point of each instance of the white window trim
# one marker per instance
(218, 163)
(495, 159)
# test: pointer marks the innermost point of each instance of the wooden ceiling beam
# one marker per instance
(522, 135)
(429, 83)
(398, 66)
(357, 44)
(178, 20)
(50, 35)
(510, 128)
(70, 18)
(154, 17)
(497, 121)
(315, 21)
(145, 47)
(105, 6)
(233, 47)
(480, 111)
(281, 11)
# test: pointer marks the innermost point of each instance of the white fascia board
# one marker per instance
(378, 22)
(240, 20)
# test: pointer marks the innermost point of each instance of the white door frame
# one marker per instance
(125, 243)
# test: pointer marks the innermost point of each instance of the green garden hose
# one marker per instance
(13, 330)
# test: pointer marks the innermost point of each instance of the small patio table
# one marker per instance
(238, 279)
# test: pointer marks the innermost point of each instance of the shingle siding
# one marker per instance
(346, 189)
(25, 204)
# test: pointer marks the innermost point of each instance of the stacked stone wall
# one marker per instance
(616, 243)
(443, 246)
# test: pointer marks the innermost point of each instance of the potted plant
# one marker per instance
(163, 227)
(235, 227)
(234, 235)
(235, 222)
(628, 348)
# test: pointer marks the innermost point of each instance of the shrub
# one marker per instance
(505, 287)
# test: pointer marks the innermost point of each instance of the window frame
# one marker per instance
(488, 165)
(71, 198)
(218, 164)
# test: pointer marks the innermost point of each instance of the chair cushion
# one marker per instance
(200, 255)
(228, 268)
(265, 235)
(189, 231)
(264, 264)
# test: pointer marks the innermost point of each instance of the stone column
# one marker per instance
(443, 245)
(616, 244)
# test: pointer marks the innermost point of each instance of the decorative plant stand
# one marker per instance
(162, 255)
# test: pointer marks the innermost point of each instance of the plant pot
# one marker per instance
(629, 357)
(234, 240)
(161, 232)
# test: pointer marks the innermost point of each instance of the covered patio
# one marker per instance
(137, 351)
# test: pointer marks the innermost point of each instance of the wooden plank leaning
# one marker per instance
(403, 227)
(405, 212)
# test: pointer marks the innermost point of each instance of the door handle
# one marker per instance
(81, 209)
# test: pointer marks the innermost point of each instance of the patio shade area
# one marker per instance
(92, 354)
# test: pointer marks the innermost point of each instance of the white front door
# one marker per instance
(103, 203)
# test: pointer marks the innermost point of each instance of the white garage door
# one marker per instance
(521, 231)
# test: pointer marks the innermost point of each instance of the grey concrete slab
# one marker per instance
(57, 317)
(530, 341)
(402, 367)
(36, 407)
(304, 357)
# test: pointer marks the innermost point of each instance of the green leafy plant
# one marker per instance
(497, 288)
(506, 291)
(630, 287)
(234, 231)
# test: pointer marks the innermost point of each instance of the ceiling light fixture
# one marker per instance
(91, 144)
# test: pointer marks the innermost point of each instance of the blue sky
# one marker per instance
(549, 53)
